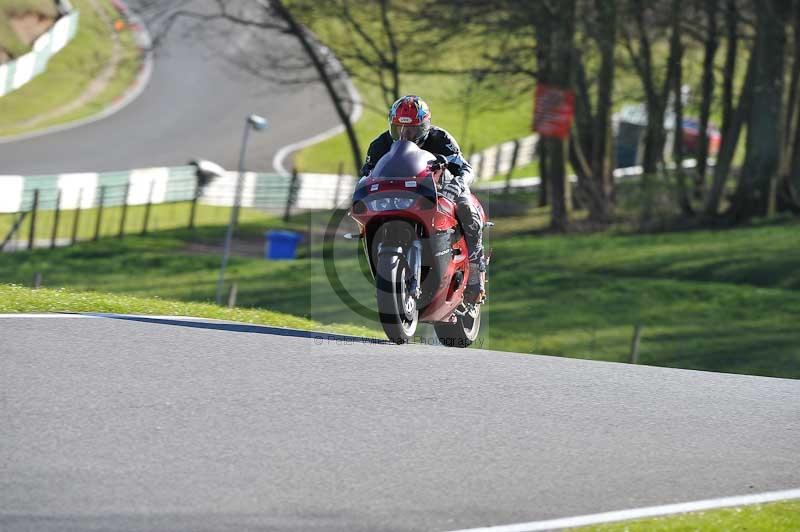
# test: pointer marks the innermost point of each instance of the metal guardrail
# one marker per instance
(169, 184)
(25, 197)
(137, 187)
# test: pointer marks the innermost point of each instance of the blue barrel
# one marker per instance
(281, 245)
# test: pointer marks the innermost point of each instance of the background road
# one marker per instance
(194, 106)
(166, 425)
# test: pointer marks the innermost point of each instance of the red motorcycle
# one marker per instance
(415, 247)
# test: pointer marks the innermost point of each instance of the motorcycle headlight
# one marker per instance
(403, 203)
(391, 204)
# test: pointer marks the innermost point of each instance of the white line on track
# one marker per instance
(639, 513)
(37, 316)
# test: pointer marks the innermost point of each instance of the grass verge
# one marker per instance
(15, 299)
(711, 300)
(70, 72)
(162, 217)
(774, 517)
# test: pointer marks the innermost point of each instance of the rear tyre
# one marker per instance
(397, 307)
(461, 333)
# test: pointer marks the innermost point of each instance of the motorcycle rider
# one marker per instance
(410, 119)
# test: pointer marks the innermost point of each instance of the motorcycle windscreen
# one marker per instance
(404, 159)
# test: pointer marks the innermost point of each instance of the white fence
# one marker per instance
(17, 73)
(502, 158)
(171, 184)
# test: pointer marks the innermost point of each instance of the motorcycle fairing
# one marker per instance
(407, 169)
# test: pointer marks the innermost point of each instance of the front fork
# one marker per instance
(415, 265)
(413, 256)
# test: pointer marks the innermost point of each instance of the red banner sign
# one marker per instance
(553, 112)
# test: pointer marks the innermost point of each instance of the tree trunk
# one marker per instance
(655, 97)
(544, 173)
(793, 181)
(677, 148)
(757, 182)
(730, 140)
(561, 53)
(654, 139)
(590, 146)
(601, 141)
(729, 70)
(794, 85)
(555, 49)
(582, 142)
(543, 37)
(559, 186)
(711, 44)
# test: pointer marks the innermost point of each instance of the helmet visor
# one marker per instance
(412, 133)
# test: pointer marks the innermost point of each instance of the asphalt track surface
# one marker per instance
(161, 424)
(194, 106)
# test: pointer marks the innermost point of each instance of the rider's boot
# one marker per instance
(476, 282)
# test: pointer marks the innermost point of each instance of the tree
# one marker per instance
(590, 149)
(270, 17)
(733, 115)
(677, 48)
(755, 191)
(790, 190)
(710, 45)
(532, 40)
(555, 37)
(370, 35)
(648, 23)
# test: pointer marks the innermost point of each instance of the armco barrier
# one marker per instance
(139, 187)
(171, 184)
(24, 197)
(17, 73)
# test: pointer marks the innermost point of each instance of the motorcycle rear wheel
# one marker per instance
(397, 308)
(461, 333)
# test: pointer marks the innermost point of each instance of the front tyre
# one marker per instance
(461, 333)
(397, 306)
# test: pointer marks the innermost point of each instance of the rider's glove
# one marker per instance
(452, 190)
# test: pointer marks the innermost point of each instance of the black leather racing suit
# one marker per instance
(441, 142)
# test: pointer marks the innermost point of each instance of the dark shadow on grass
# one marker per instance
(317, 336)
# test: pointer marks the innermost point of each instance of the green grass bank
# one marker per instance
(726, 300)
(775, 517)
(15, 299)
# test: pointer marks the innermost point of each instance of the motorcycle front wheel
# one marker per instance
(397, 306)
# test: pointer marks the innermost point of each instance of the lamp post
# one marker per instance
(257, 123)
